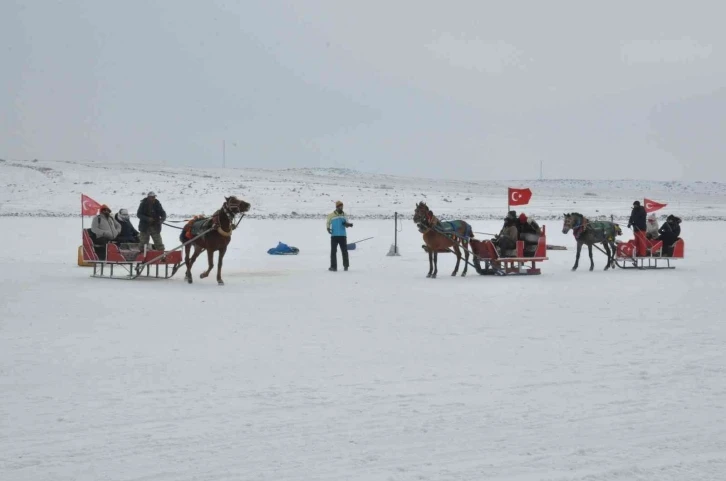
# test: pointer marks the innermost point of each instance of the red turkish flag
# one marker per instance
(652, 206)
(89, 206)
(519, 196)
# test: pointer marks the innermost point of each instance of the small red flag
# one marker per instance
(652, 206)
(519, 196)
(89, 206)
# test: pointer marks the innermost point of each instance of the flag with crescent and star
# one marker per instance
(519, 196)
(89, 206)
(652, 206)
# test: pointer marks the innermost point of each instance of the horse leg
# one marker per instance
(210, 260)
(457, 251)
(607, 251)
(188, 274)
(436, 265)
(431, 263)
(190, 262)
(222, 251)
(466, 258)
(592, 262)
(577, 257)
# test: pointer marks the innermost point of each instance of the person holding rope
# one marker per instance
(336, 224)
(151, 216)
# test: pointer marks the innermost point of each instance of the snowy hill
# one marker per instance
(53, 188)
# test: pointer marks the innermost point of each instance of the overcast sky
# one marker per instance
(475, 90)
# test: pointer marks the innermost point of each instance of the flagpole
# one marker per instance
(82, 225)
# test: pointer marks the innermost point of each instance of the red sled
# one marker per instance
(658, 255)
(130, 263)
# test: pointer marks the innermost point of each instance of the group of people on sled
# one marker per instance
(647, 233)
(117, 229)
(516, 228)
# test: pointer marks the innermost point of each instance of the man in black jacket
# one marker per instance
(151, 215)
(638, 218)
(638, 221)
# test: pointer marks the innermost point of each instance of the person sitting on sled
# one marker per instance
(528, 229)
(651, 231)
(128, 234)
(669, 232)
(507, 238)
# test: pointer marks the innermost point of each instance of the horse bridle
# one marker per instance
(229, 212)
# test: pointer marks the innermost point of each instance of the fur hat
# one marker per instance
(151, 194)
(123, 214)
(103, 207)
(652, 218)
(522, 217)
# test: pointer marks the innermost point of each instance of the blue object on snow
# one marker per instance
(283, 250)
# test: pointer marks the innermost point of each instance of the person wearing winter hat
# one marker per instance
(336, 224)
(151, 216)
(651, 231)
(527, 225)
(105, 228)
(128, 233)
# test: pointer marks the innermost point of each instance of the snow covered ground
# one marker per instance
(290, 372)
(54, 189)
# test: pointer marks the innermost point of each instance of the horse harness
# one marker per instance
(230, 217)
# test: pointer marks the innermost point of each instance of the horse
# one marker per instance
(441, 237)
(217, 239)
(598, 232)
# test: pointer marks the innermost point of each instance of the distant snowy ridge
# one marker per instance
(53, 189)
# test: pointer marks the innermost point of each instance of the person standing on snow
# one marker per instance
(336, 224)
(151, 215)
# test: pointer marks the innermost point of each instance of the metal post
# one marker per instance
(395, 235)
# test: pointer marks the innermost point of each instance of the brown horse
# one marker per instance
(442, 237)
(222, 225)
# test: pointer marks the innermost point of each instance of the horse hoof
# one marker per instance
(202, 275)
(574, 269)
(428, 276)
(592, 269)
(221, 283)
(463, 274)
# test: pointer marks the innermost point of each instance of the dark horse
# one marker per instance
(217, 239)
(598, 232)
(442, 237)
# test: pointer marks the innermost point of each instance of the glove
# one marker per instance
(349, 225)
(329, 231)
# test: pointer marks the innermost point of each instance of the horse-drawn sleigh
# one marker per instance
(455, 236)
(132, 261)
(620, 254)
